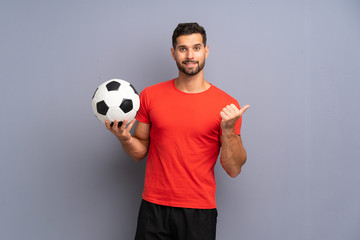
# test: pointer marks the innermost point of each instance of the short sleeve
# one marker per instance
(143, 113)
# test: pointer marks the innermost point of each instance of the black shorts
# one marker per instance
(172, 223)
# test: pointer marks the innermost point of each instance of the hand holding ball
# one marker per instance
(115, 99)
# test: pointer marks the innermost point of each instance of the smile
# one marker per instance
(189, 63)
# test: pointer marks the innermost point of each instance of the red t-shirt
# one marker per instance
(184, 144)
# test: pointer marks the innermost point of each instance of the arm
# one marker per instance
(137, 145)
(233, 154)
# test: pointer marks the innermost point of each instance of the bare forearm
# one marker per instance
(137, 145)
(233, 154)
(136, 148)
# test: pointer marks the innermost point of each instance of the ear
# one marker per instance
(173, 53)
(206, 51)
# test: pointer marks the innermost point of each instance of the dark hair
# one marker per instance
(187, 29)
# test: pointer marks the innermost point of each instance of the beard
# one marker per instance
(191, 71)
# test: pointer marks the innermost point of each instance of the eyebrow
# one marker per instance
(196, 45)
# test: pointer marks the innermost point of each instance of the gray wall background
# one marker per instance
(63, 176)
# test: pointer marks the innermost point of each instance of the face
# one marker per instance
(190, 53)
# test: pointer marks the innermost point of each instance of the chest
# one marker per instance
(188, 116)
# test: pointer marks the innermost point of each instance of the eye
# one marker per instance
(182, 49)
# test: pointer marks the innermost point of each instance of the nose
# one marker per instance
(190, 54)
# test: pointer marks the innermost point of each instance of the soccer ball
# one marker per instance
(115, 99)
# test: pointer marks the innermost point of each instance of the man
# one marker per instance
(182, 124)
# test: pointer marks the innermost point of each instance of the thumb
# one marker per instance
(243, 109)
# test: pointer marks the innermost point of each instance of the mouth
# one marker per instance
(190, 63)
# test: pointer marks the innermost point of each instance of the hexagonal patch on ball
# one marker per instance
(119, 124)
(102, 108)
(126, 105)
(113, 86)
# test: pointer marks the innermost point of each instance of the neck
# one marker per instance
(191, 84)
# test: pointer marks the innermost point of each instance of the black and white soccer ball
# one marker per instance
(115, 99)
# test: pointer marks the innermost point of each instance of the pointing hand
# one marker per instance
(230, 114)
